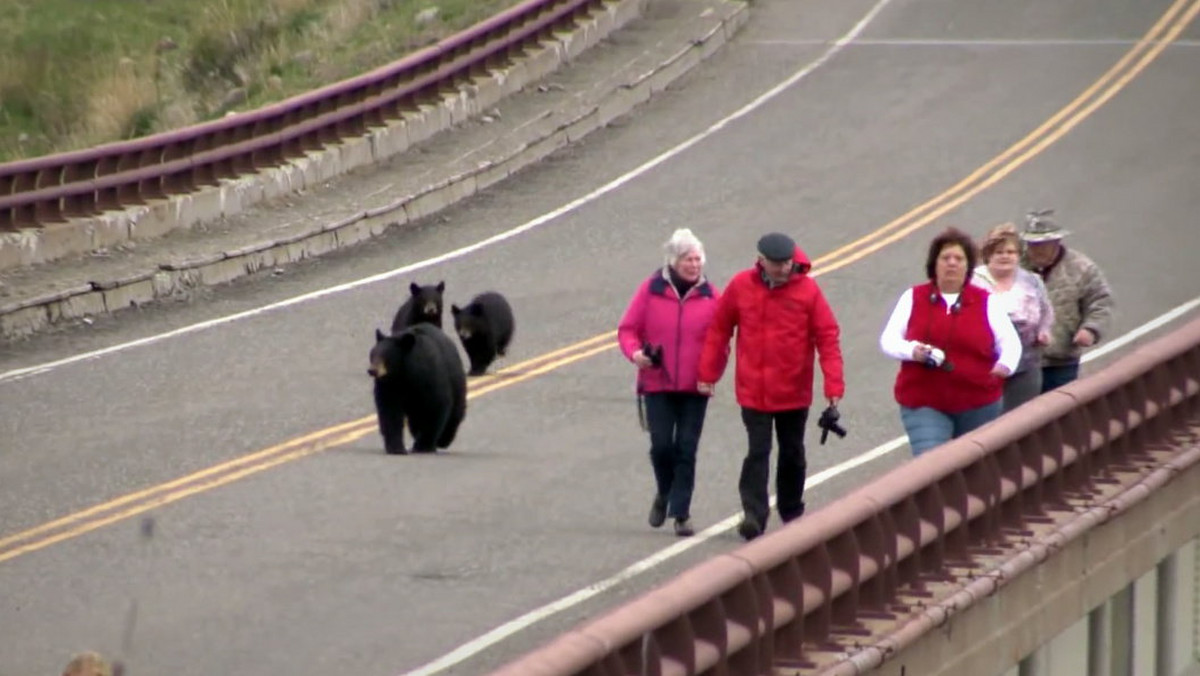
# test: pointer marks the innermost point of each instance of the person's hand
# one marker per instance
(1001, 371)
(921, 352)
(1085, 338)
(641, 360)
(704, 388)
(833, 401)
(1043, 338)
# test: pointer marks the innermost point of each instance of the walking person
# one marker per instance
(662, 332)
(783, 321)
(1082, 300)
(1022, 295)
(955, 346)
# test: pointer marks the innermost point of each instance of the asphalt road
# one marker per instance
(323, 555)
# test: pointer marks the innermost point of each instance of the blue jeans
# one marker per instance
(1058, 375)
(928, 427)
(676, 420)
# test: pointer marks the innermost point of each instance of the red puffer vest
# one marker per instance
(966, 336)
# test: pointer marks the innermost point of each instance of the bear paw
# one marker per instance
(396, 450)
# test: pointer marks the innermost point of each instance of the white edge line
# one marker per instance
(472, 648)
(1157, 322)
(463, 251)
(981, 42)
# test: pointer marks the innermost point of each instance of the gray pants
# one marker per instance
(1022, 386)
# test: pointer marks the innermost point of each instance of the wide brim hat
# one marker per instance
(1040, 227)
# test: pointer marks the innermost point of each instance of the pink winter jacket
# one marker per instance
(657, 316)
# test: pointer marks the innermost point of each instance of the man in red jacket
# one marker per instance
(782, 319)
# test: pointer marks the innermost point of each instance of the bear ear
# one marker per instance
(379, 336)
(414, 288)
(455, 310)
(441, 286)
(407, 340)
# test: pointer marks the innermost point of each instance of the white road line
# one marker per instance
(1152, 325)
(980, 42)
(478, 645)
(616, 183)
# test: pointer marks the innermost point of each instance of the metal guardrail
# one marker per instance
(86, 182)
(784, 599)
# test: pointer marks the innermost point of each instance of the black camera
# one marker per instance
(937, 362)
(829, 423)
(944, 366)
(653, 353)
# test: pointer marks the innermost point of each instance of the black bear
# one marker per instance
(419, 379)
(485, 327)
(424, 304)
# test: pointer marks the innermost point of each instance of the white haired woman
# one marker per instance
(662, 333)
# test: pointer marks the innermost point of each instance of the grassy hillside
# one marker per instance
(76, 73)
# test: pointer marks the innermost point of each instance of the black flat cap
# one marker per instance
(777, 246)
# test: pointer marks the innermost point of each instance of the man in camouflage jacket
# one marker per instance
(1082, 299)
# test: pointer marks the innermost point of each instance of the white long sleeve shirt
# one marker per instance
(895, 345)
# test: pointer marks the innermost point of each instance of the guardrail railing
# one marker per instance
(86, 182)
(786, 599)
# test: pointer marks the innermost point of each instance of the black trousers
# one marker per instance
(790, 469)
(676, 420)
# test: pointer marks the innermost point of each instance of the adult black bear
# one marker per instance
(485, 327)
(419, 379)
(424, 304)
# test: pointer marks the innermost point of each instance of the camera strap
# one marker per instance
(641, 409)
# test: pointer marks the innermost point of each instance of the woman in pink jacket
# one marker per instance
(662, 333)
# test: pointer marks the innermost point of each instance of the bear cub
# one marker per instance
(485, 327)
(424, 304)
(419, 380)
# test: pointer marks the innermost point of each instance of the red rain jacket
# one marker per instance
(779, 331)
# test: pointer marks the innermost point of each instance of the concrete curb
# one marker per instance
(559, 128)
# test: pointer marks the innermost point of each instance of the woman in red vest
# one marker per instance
(955, 348)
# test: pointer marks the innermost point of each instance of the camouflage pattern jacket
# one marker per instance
(1081, 298)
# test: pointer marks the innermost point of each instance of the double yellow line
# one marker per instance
(227, 472)
(1165, 30)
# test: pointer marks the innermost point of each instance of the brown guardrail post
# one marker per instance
(877, 547)
(906, 516)
(845, 556)
(84, 203)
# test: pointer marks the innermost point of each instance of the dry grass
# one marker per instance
(114, 101)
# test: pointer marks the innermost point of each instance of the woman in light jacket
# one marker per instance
(1023, 297)
(662, 333)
